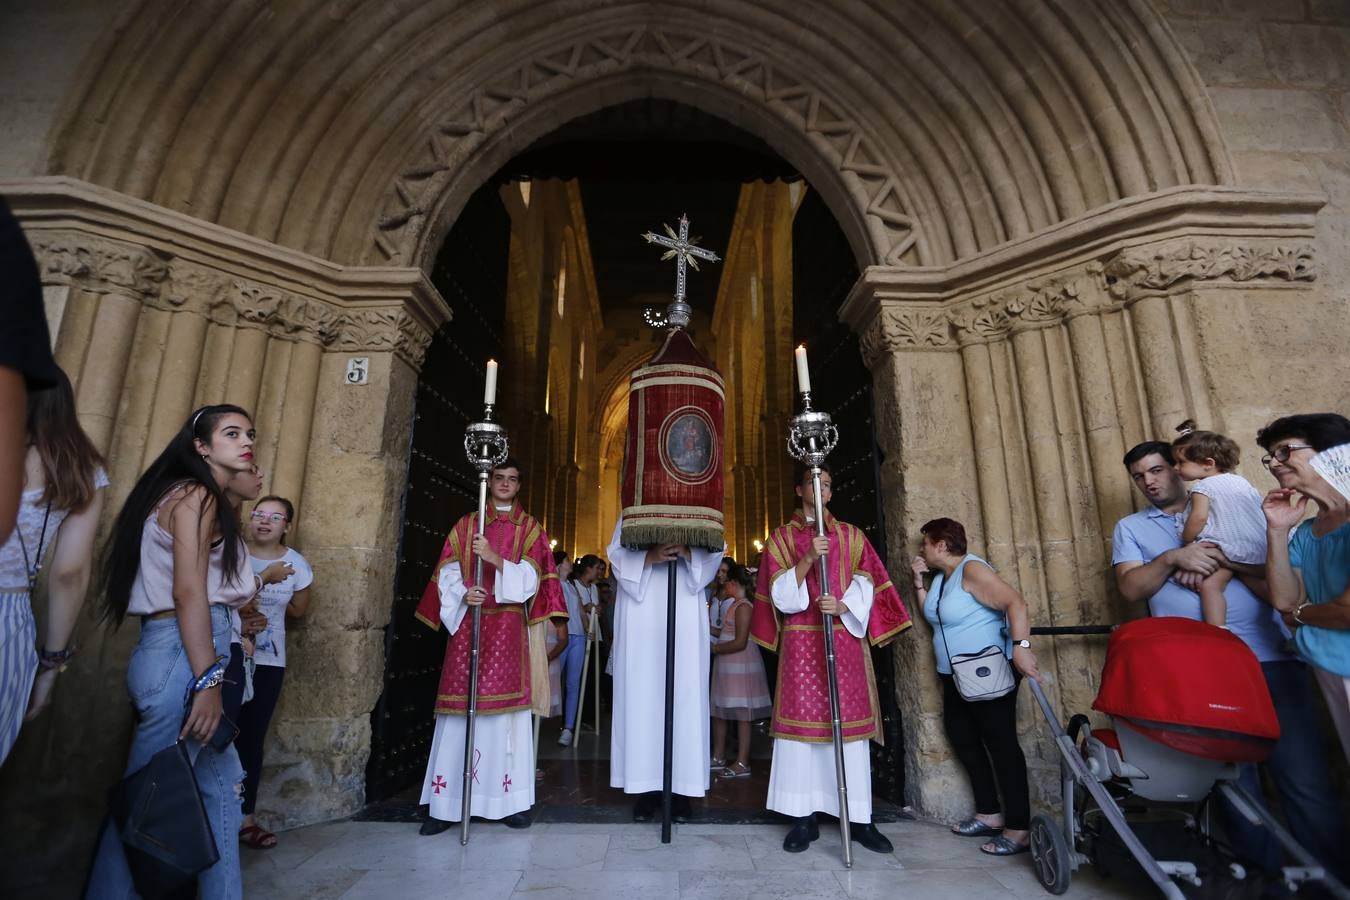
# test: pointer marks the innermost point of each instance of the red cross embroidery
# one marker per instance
(506, 783)
(437, 784)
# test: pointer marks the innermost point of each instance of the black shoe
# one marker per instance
(519, 820)
(870, 837)
(434, 826)
(645, 808)
(801, 835)
(680, 809)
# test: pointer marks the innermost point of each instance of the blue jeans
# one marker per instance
(157, 677)
(573, 655)
(1298, 768)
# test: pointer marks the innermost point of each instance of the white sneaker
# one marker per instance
(566, 737)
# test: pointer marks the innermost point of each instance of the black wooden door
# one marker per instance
(823, 273)
(470, 273)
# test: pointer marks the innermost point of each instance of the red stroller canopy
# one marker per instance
(1191, 686)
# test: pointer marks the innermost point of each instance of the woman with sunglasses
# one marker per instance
(286, 578)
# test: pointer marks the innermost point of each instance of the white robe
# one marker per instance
(503, 742)
(637, 738)
(802, 779)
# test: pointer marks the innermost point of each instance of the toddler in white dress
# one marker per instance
(1223, 509)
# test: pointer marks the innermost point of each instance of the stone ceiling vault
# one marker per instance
(356, 129)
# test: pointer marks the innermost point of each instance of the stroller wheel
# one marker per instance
(1050, 853)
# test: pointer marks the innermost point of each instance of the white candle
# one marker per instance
(490, 388)
(803, 375)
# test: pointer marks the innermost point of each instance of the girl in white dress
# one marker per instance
(740, 690)
(1224, 509)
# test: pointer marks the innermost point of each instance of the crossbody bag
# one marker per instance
(984, 675)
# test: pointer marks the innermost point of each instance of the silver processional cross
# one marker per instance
(685, 252)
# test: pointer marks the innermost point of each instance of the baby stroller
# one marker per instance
(1188, 702)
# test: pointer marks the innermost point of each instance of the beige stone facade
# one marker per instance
(1078, 223)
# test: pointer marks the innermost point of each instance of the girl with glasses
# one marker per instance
(286, 578)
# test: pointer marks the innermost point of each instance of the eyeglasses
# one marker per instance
(1281, 454)
(274, 518)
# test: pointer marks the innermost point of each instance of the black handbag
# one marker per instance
(159, 814)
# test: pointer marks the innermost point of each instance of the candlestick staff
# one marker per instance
(811, 437)
(486, 446)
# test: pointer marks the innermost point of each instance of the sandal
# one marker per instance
(973, 827)
(1004, 847)
(717, 762)
(257, 837)
(735, 770)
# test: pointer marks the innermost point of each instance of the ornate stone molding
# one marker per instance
(917, 310)
(747, 71)
(161, 281)
(992, 317)
(1149, 270)
(101, 266)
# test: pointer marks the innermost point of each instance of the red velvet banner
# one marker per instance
(672, 469)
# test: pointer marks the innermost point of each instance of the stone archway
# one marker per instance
(1020, 184)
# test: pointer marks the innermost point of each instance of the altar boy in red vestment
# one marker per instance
(520, 587)
(787, 619)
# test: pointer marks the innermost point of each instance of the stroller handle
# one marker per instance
(1073, 629)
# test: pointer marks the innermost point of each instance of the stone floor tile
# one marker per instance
(383, 884)
(932, 884)
(642, 850)
(543, 884)
(300, 884)
(759, 886)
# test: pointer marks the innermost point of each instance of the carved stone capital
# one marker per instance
(1142, 271)
(101, 266)
(384, 329)
(896, 328)
(1034, 305)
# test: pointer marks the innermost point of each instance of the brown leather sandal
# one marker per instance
(257, 837)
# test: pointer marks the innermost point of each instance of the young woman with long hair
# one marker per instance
(177, 563)
(60, 506)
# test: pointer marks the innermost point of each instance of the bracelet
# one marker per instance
(212, 677)
(55, 659)
(1298, 611)
(920, 587)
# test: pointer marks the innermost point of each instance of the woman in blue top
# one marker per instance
(1309, 572)
(977, 609)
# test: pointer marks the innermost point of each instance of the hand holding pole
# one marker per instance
(811, 437)
(486, 446)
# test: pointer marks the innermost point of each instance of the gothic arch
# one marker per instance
(355, 131)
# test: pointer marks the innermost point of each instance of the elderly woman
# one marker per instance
(971, 609)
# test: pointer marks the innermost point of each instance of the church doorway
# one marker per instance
(545, 271)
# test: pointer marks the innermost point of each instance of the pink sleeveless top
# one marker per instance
(152, 591)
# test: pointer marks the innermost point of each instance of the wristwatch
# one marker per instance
(1024, 643)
